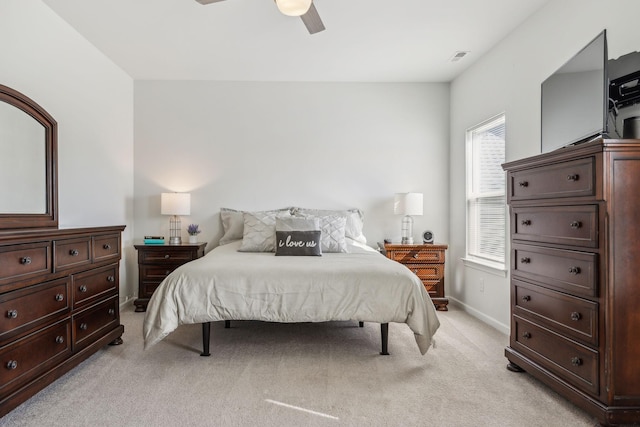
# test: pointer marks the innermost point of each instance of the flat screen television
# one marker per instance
(575, 98)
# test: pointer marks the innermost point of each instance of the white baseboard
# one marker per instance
(505, 329)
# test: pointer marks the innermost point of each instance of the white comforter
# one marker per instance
(361, 285)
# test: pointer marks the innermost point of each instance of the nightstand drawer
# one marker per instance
(427, 271)
(571, 271)
(571, 316)
(166, 256)
(408, 256)
(71, 253)
(576, 363)
(567, 179)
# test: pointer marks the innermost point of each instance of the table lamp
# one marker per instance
(175, 204)
(408, 204)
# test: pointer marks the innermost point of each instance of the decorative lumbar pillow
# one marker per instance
(259, 234)
(298, 243)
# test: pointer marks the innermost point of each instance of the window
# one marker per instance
(486, 207)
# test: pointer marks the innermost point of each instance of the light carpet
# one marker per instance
(323, 374)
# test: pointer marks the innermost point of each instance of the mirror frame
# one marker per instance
(48, 219)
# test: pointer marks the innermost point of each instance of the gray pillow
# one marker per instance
(298, 243)
(259, 234)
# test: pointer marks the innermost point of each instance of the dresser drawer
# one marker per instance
(576, 363)
(71, 253)
(95, 284)
(91, 323)
(33, 354)
(166, 256)
(570, 316)
(570, 271)
(106, 247)
(409, 256)
(21, 261)
(566, 225)
(30, 306)
(567, 179)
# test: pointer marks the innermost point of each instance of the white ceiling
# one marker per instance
(250, 40)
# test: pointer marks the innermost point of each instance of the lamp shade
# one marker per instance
(408, 204)
(293, 7)
(175, 204)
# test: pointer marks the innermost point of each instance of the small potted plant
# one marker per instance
(193, 230)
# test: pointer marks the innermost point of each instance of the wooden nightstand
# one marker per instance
(427, 262)
(155, 262)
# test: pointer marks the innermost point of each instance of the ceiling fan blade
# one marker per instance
(312, 20)
(207, 1)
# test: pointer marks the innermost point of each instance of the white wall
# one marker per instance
(92, 101)
(256, 146)
(508, 80)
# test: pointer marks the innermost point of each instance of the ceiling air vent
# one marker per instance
(458, 56)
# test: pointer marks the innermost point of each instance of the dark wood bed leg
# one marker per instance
(206, 335)
(384, 333)
(227, 324)
(361, 324)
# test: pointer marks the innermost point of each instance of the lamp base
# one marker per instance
(175, 240)
(407, 241)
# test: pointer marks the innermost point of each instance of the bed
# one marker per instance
(229, 283)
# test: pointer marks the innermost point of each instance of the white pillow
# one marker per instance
(297, 224)
(233, 224)
(354, 217)
(333, 232)
(259, 234)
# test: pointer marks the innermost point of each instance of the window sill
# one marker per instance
(486, 266)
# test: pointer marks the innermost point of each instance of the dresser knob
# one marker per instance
(415, 272)
(415, 256)
(526, 298)
(25, 260)
(575, 316)
(111, 279)
(526, 222)
(523, 184)
(12, 364)
(73, 252)
(166, 272)
(111, 312)
(83, 326)
(526, 335)
(59, 297)
(83, 288)
(12, 314)
(106, 246)
(167, 256)
(576, 361)
(573, 177)
(574, 270)
(59, 339)
(575, 224)
(525, 260)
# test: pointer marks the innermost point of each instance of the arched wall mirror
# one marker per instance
(28, 163)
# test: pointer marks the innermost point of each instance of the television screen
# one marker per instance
(575, 98)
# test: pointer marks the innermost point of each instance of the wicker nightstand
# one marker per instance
(155, 262)
(427, 262)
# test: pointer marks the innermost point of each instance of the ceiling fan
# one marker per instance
(305, 9)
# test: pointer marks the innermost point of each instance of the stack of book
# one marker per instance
(154, 240)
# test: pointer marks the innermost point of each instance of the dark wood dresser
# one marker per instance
(427, 262)
(575, 292)
(59, 303)
(155, 262)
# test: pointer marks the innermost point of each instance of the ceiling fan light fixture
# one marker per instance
(293, 7)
